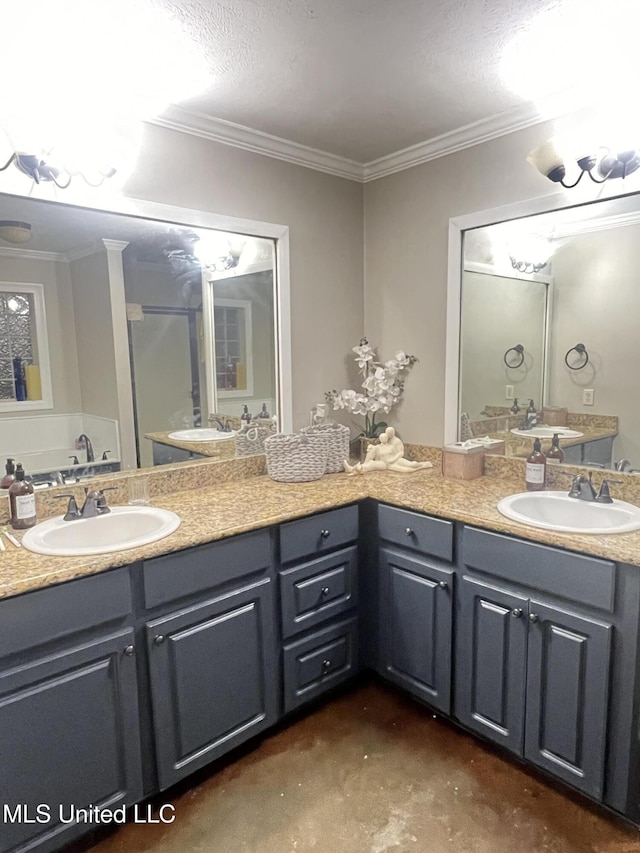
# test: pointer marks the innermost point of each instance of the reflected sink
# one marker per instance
(200, 434)
(124, 527)
(548, 432)
(557, 511)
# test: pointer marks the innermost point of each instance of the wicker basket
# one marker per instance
(296, 458)
(338, 444)
(251, 441)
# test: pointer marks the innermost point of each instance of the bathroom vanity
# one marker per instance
(117, 684)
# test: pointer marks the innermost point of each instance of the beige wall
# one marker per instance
(597, 302)
(94, 335)
(406, 242)
(60, 327)
(324, 215)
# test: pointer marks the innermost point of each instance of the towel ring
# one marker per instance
(518, 348)
(581, 350)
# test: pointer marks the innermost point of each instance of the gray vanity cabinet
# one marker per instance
(490, 662)
(416, 621)
(416, 586)
(68, 710)
(532, 673)
(211, 650)
(318, 599)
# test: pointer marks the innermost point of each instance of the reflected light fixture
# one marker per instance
(15, 232)
(526, 266)
(551, 162)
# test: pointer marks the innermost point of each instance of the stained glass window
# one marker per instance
(18, 345)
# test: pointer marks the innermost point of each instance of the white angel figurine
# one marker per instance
(386, 456)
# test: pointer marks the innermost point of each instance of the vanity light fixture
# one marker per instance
(39, 170)
(552, 163)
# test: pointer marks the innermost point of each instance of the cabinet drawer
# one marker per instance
(198, 569)
(318, 533)
(319, 590)
(319, 662)
(419, 532)
(29, 620)
(580, 579)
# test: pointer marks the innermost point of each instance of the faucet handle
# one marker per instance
(603, 496)
(72, 507)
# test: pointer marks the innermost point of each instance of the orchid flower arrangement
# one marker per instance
(382, 385)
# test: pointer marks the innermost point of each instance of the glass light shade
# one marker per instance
(546, 157)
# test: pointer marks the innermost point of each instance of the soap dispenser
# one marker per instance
(536, 468)
(555, 454)
(245, 417)
(10, 477)
(22, 501)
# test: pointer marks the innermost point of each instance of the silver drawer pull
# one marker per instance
(129, 650)
(325, 590)
(326, 664)
(325, 534)
(443, 584)
(533, 617)
(159, 640)
(409, 531)
(517, 612)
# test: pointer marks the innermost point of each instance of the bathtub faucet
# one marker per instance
(88, 445)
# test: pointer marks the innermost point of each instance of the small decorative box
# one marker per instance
(463, 460)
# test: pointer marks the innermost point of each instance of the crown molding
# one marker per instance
(484, 130)
(238, 136)
(32, 255)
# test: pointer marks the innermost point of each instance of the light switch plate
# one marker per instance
(508, 392)
(588, 395)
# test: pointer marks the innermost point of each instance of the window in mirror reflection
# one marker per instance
(233, 344)
(23, 357)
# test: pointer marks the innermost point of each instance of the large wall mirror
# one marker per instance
(543, 306)
(119, 331)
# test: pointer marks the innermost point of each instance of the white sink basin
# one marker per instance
(124, 527)
(200, 434)
(557, 511)
(548, 432)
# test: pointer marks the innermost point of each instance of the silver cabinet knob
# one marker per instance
(159, 640)
(443, 584)
(326, 664)
(129, 650)
(408, 531)
(325, 534)
(517, 612)
(533, 617)
(325, 590)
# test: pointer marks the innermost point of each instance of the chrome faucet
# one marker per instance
(622, 465)
(223, 426)
(88, 445)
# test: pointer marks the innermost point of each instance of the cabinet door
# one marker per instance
(490, 662)
(416, 616)
(567, 693)
(214, 678)
(70, 738)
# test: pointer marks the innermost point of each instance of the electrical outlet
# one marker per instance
(587, 396)
(508, 392)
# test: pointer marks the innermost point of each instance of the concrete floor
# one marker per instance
(369, 772)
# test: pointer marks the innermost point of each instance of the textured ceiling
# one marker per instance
(357, 78)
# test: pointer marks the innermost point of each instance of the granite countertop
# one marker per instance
(219, 447)
(230, 508)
